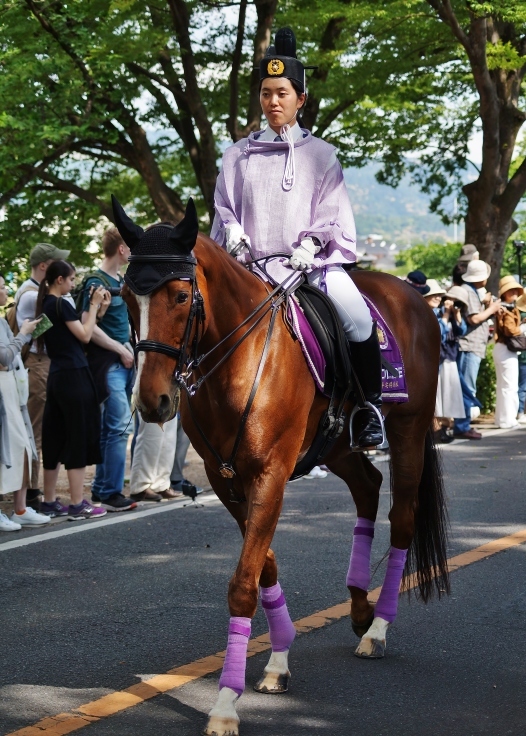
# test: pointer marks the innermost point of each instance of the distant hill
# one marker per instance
(399, 215)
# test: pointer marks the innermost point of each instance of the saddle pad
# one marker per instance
(394, 389)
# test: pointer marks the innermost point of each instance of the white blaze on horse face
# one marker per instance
(144, 326)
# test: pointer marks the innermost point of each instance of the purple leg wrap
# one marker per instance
(359, 573)
(388, 601)
(281, 628)
(233, 674)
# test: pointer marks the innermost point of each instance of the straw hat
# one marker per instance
(476, 271)
(458, 294)
(434, 288)
(521, 303)
(507, 283)
(468, 253)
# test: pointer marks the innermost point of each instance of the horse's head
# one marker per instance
(160, 292)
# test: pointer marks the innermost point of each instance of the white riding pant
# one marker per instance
(348, 302)
(153, 458)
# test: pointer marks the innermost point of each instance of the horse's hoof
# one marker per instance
(370, 648)
(362, 629)
(219, 726)
(273, 683)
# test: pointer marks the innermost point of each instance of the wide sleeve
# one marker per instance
(333, 219)
(10, 346)
(227, 198)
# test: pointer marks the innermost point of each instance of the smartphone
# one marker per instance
(43, 326)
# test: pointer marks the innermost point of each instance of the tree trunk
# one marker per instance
(487, 227)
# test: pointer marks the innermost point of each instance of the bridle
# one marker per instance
(183, 357)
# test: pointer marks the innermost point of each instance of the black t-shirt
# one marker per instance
(64, 349)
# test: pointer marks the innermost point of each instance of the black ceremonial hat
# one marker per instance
(280, 59)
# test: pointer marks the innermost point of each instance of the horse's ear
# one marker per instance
(185, 232)
(131, 233)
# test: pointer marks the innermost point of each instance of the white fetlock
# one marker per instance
(223, 719)
(276, 675)
(372, 645)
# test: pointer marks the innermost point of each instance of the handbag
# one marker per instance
(21, 380)
(516, 343)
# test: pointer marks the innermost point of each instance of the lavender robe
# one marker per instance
(249, 191)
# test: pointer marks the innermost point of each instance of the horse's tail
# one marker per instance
(427, 555)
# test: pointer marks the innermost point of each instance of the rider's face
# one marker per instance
(279, 102)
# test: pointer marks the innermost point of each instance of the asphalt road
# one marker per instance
(86, 614)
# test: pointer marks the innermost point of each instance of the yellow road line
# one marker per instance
(116, 702)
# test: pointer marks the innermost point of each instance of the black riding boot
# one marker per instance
(367, 362)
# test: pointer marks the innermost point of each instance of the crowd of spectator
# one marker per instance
(470, 318)
(66, 384)
(66, 377)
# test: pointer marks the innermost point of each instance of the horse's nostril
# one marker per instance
(164, 405)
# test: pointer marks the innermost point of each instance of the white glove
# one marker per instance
(303, 256)
(236, 240)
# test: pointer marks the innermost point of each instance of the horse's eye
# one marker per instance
(182, 297)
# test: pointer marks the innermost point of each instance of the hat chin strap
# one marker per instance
(290, 166)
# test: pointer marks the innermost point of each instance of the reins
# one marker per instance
(187, 361)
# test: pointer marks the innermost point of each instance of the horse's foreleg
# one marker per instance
(276, 674)
(407, 452)
(255, 561)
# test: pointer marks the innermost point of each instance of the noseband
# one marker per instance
(185, 269)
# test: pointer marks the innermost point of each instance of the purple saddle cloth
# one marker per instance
(394, 389)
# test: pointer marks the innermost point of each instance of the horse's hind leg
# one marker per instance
(364, 481)
(406, 441)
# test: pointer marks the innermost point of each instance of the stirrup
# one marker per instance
(358, 408)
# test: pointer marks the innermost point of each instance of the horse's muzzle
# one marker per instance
(165, 410)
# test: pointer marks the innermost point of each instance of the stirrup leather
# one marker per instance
(366, 405)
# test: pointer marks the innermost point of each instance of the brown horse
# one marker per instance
(281, 421)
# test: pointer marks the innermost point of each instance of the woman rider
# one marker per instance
(282, 190)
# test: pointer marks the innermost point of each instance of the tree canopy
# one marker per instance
(139, 99)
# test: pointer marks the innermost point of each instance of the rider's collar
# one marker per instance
(269, 135)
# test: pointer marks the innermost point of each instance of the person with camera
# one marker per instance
(473, 344)
(449, 400)
(507, 325)
(71, 422)
(16, 445)
(111, 359)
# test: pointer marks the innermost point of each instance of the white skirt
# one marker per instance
(11, 479)
(449, 402)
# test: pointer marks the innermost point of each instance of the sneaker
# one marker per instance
(118, 502)
(95, 499)
(53, 508)
(30, 518)
(316, 472)
(85, 511)
(521, 418)
(6, 525)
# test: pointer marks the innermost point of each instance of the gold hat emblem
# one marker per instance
(275, 67)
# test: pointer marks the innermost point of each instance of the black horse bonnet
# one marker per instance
(161, 253)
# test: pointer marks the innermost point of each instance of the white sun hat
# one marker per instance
(476, 271)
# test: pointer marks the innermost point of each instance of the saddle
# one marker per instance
(316, 311)
(328, 353)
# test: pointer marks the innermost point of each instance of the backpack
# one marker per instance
(10, 315)
(78, 291)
